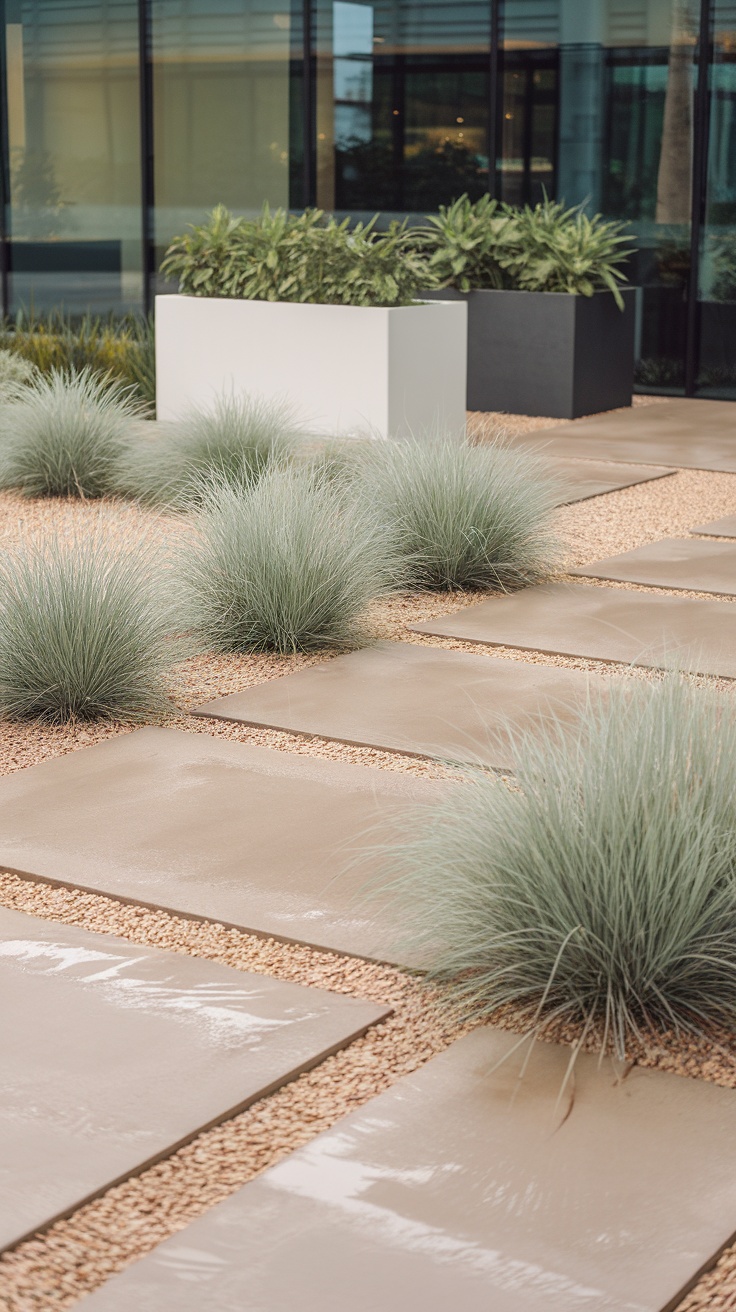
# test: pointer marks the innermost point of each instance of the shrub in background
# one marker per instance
(120, 350)
(85, 631)
(287, 564)
(307, 258)
(15, 375)
(540, 248)
(65, 436)
(601, 889)
(461, 516)
(234, 442)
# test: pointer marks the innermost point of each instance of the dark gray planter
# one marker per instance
(547, 353)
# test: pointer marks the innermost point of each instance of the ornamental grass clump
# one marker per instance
(600, 890)
(234, 441)
(88, 630)
(16, 374)
(286, 564)
(462, 516)
(65, 436)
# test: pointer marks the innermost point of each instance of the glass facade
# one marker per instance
(124, 120)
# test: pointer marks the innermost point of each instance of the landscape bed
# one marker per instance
(594, 529)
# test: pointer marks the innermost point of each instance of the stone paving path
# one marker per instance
(113, 1054)
(609, 624)
(581, 479)
(427, 701)
(463, 1187)
(684, 434)
(219, 830)
(686, 563)
(718, 528)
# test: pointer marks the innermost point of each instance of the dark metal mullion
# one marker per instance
(145, 101)
(309, 128)
(4, 168)
(701, 131)
(495, 96)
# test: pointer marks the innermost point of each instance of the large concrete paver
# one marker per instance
(113, 1054)
(261, 839)
(581, 479)
(684, 433)
(460, 1188)
(425, 701)
(687, 563)
(610, 624)
(718, 528)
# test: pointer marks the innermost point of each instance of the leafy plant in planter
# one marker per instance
(542, 339)
(306, 258)
(544, 248)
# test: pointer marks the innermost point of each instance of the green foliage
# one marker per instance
(235, 442)
(85, 631)
(65, 435)
(461, 516)
(463, 242)
(305, 258)
(544, 248)
(600, 889)
(287, 564)
(15, 375)
(120, 350)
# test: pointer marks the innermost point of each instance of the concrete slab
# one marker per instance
(461, 1188)
(582, 479)
(222, 831)
(672, 563)
(608, 624)
(684, 433)
(424, 701)
(718, 528)
(114, 1054)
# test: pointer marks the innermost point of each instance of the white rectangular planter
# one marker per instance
(346, 369)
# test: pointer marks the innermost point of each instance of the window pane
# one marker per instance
(73, 137)
(402, 103)
(598, 108)
(221, 108)
(717, 291)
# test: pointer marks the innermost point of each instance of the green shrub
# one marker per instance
(601, 890)
(15, 375)
(306, 258)
(540, 248)
(85, 631)
(66, 435)
(462, 516)
(117, 350)
(235, 441)
(287, 564)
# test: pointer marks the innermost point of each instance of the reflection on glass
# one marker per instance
(402, 103)
(73, 138)
(221, 108)
(598, 109)
(717, 290)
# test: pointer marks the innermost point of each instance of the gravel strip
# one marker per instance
(75, 1256)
